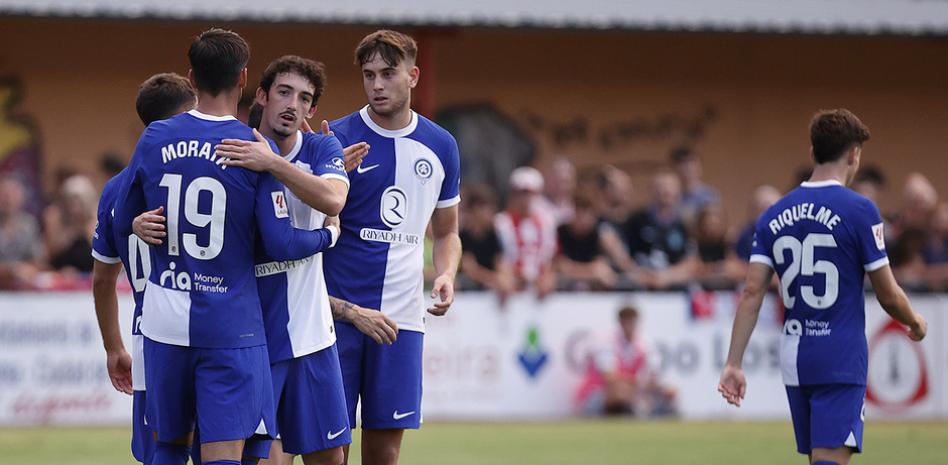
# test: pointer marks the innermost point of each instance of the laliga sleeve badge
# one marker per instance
(279, 205)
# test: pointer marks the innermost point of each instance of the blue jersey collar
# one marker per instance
(207, 117)
(827, 183)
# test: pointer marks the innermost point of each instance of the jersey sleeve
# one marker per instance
(330, 160)
(451, 186)
(103, 241)
(760, 252)
(280, 240)
(870, 236)
(130, 198)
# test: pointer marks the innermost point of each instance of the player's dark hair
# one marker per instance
(255, 115)
(628, 312)
(163, 96)
(833, 132)
(392, 46)
(312, 71)
(217, 58)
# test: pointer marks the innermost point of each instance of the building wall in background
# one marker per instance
(622, 98)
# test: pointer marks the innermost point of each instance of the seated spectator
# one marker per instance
(762, 198)
(623, 379)
(614, 193)
(936, 254)
(582, 261)
(869, 182)
(560, 183)
(527, 237)
(919, 200)
(719, 267)
(68, 225)
(21, 246)
(695, 194)
(658, 239)
(482, 262)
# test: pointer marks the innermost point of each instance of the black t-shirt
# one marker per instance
(485, 247)
(582, 248)
(78, 255)
(712, 252)
(654, 243)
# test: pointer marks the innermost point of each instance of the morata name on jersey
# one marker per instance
(803, 211)
(192, 149)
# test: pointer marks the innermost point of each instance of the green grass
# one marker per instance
(565, 443)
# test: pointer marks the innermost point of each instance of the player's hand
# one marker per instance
(331, 221)
(149, 226)
(352, 154)
(732, 385)
(119, 364)
(252, 155)
(443, 288)
(375, 324)
(919, 329)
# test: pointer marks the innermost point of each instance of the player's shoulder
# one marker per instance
(110, 190)
(433, 132)
(319, 142)
(347, 123)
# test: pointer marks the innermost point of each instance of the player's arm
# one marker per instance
(896, 303)
(733, 385)
(372, 323)
(106, 267)
(325, 195)
(281, 241)
(447, 255)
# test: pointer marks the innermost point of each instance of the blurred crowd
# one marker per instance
(559, 229)
(549, 229)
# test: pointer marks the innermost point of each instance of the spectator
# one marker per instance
(719, 267)
(69, 223)
(695, 194)
(658, 239)
(614, 192)
(869, 182)
(21, 248)
(936, 254)
(919, 200)
(582, 260)
(560, 183)
(623, 379)
(762, 198)
(482, 263)
(527, 238)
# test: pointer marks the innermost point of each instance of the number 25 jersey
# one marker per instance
(821, 239)
(202, 291)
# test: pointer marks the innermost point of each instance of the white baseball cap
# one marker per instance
(527, 179)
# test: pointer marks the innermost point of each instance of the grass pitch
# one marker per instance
(564, 443)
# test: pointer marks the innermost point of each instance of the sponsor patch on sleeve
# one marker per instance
(878, 232)
(279, 205)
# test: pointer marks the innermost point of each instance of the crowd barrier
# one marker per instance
(523, 361)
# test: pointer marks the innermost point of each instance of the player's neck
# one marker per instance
(284, 143)
(829, 172)
(393, 122)
(222, 104)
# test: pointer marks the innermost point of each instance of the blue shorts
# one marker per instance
(143, 441)
(228, 391)
(387, 379)
(827, 416)
(311, 403)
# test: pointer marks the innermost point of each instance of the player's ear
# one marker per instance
(194, 84)
(242, 82)
(260, 97)
(811, 154)
(311, 112)
(414, 73)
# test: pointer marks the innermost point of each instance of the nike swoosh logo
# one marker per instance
(362, 170)
(330, 435)
(399, 416)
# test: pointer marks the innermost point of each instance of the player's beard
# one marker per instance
(394, 107)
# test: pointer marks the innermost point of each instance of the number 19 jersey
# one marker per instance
(202, 291)
(821, 239)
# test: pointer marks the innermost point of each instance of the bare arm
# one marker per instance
(896, 303)
(118, 362)
(447, 254)
(325, 195)
(733, 385)
(373, 323)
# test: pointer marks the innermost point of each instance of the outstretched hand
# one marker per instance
(352, 154)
